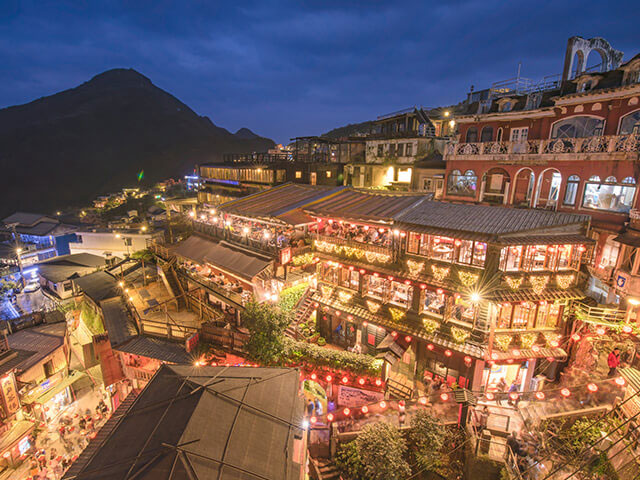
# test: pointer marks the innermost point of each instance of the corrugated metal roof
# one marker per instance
(116, 321)
(365, 206)
(157, 348)
(98, 286)
(277, 201)
(483, 219)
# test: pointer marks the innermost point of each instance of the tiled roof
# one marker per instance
(529, 353)
(528, 295)
(221, 254)
(117, 322)
(33, 345)
(157, 348)
(98, 286)
(561, 239)
(203, 423)
(437, 217)
(277, 201)
(365, 206)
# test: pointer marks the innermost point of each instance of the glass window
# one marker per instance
(401, 294)
(565, 254)
(433, 302)
(354, 280)
(463, 185)
(471, 253)
(524, 315)
(629, 180)
(609, 255)
(629, 259)
(380, 150)
(578, 127)
(442, 248)
(409, 149)
(573, 182)
(329, 274)
(610, 180)
(504, 317)
(472, 135)
(511, 259)
(376, 287)
(535, 258)
(344, 277)
(608, 196)
(479, 253)
(464, 311)
(465, 251)
(487, 134)
(413, 244)
(630, 124)
(548, 316)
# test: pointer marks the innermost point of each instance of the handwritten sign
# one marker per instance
(355, 397)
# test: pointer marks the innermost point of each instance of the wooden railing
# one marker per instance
(351, 248)
(599, 144)
(599, 315)
(227, 338)
(227, 293)
(138, 373)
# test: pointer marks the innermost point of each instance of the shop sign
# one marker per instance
(191, 342)
(9, 394)
(355, 397)
(285, 256)
(621, 281)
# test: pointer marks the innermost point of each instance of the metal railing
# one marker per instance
(599, 315)
(597, 144)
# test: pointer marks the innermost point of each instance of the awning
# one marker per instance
(569, 239)
(222, 255)
(528, 295)
(631, 405)
(389, 350)
(629, 238)
(57, 388)
(525, 354)
(295, 217)
(15, 434)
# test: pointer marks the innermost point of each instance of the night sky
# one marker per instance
(299, 68)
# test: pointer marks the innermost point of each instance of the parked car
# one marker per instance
(31, 287)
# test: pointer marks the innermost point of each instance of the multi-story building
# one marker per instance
(308, 160)
(570, 144)
(466, 293)
(397, 145)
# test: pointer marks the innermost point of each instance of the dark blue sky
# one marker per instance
(298, 68)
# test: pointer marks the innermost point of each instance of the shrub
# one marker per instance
(427, 436)
(289, 297)
(91, 319)
(337, 359)
(322, 342)
(382, 448)
(348, 461)
(266, 327)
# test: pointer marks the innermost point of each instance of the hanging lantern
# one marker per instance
(394, 334)
(364, 324)
(349, 317)
(448, 353)
(515, 352)
(423, 400)
(627, 329)
(565, 392)
(314, 376)
(444, 397)
(575, 337)
(329, 378)
(439, 291)
(582, 248)
(407, 282)
(345, 380)
(554, 343)
(490, 396)
(383, 404)
(362, 270)
(351, 268)
(313, 420)
(330, 417)
(407, 339)
(513, 396)
(620, 381)
(535, 348)
(430, 346)
(361, 381)
(457, 243)
(390, 278)
(365, 409)
(423, 286)
(592, 387)
(540, 395)
(378, 382)
(346, 411)
(376, 274)
(468, 360)
(600, 331)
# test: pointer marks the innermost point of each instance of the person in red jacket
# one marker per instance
(613, 361)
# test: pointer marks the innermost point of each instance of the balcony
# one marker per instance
(358, 251)
(612, 144)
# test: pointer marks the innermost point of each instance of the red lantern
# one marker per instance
(565, 392)
(390, 278)
(575, 337)
(313, 420)
(361, 381)
(376, 274)
(444, 397)
(329, 378)
(349, 317)
(513, 396)
(365, 409)
(330, 417)
(439, 291)
(407, 282)
(592, 387)
(448, 353)
(364, 324)
(620, 381)
(407, 339)
(422, 286)
(582, 248)
(313, 376)
(430, 346)
(362, 271)
(468, 360)
(383, 404)
(345, 380)
(600, 331)
(346, 411)
(535, 348)
(378, 382)
(540, 395)
(337, 313)
(423, 400)
(627, 329)
(394, 334)
(490, 396)
(457, 243)
(351, 268)
(554, 343)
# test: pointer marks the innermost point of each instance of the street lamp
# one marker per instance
(19, 251)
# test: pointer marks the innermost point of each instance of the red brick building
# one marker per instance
(569, 144)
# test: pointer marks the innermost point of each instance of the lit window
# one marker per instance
(610, 196)
(463, 185)
(298, 174)
(573, 182)
(328, 173)
(630, 124)
(578, 127)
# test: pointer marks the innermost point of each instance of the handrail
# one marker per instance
(590, 314)
(350, 243)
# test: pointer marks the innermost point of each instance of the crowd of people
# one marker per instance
(356, 233)
(53, 456)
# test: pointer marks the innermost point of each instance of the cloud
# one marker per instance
(292, 68)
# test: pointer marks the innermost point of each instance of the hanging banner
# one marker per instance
(355, 397)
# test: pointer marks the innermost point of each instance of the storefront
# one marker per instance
(50, 398)
(16, 444)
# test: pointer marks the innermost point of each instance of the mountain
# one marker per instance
(67, 148)
(349, 130)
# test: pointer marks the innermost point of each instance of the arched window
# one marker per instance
(499, 135)
(630, 124)
(578, 127)
(629, 180)
(610, 180)
(609, 196)
(594, 178)
(472, 135)
(487, 134)
(573, 182)
(462, 185)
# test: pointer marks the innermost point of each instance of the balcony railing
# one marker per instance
(352, 249)
(602, 144)
(137, 373)
(598, 315)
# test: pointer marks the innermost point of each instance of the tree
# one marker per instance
(427, 437)
(266, 326)
(382, 448)
(349, 462)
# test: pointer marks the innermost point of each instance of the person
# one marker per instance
(513, 444)
(614, 362)
(318, 405)
(402, 414)
(513, 389)
(481, 418)
(502, 385)
(310, 407)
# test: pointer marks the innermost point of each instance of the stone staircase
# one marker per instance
(303, 310)
(328, 470)
(536, 412)
(174, 282)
